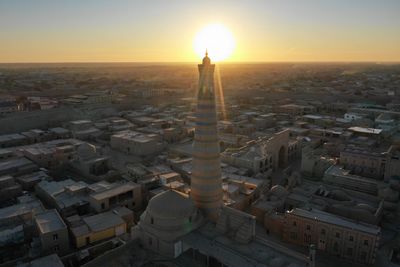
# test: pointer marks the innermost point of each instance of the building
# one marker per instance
(28, 181)
(314, 162)
(206, 183)
(17, 166)
(53, 232)
(295, 110)
(392, 168)
(83, 129)
(99, 227)
(354, 116)
(68, 197)
(135, 143)
(9, 189)
(168, 216)
(264, 154)
(364, 162)
(347, 239)
(336, 175)
(8, 106)
(51, 260)
(107, 196)
(10, 140)
(52, 154)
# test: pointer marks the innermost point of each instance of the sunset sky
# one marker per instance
(164, 30)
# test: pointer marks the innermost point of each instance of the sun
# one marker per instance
(217, 39)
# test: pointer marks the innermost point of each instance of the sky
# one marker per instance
(164, 30)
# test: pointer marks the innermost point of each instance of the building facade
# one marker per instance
(354, 241)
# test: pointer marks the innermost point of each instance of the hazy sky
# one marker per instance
(163, 30)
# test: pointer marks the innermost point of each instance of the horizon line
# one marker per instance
(196, 62)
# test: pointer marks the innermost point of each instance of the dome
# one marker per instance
(206, 59)
(278, 191)
(86, 150)
(171, 204)
(170, 215)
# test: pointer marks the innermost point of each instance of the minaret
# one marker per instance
(206, 184)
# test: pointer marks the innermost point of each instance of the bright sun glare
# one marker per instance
(217, 39)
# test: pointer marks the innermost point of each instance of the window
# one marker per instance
(351, 238)
(349, 251)
(293, 235)
(365, 242)
(56, 248)
(55, 236)
(335, 247)
(152, 220)
(308, 227)
(363, 256)
(337, 234)
(103, 206)
(323, 232)
(294, 223)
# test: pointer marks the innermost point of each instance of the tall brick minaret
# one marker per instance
(206, 184)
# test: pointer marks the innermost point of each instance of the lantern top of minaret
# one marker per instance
(206, 59)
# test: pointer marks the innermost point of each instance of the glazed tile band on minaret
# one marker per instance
(206, 184)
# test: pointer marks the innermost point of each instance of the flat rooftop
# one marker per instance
(119, 189)
(365, 130)
(329, 218)
(49, 221)
(231, 253)
(103, 221)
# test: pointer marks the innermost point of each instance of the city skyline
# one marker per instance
(264, 31)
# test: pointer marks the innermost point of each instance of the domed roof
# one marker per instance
(86, 150)
(206, 59)
(171, 204)
(278, 191)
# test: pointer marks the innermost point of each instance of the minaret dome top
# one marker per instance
(206, 59)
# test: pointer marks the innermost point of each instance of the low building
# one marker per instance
(20, 213)
(60, 133)
(51, 260)
(53, 232)
(364, 162)
(347, 239)
(28, 181)
(96, 228)
(336, 175)
(114, 195)
(52, 154)
(17, 166)
(37, 136)
(11, 140)
(261, 155)
(294, 109)
(68, 197)
(9, 189)
(136, 143)
(83, 129)
(353, 116)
